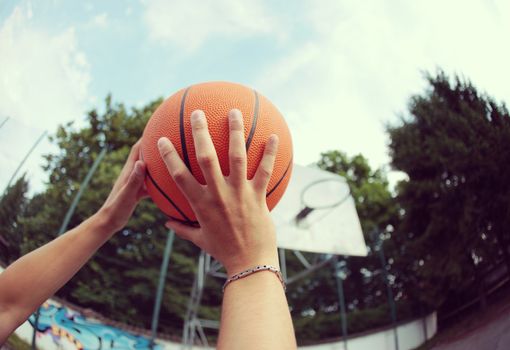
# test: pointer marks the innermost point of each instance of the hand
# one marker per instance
(235, 225)
(126, 193)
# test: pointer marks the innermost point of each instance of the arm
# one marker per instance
(255, 313)
(33, 278)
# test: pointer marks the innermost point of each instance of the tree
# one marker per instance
(12, 205)
(120, 280)
(453, 145)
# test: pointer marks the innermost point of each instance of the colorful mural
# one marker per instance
(62, 323)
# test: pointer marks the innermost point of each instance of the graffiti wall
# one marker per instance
(61, 323)
(61, 328)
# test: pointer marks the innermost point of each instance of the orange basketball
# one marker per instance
(216, 99)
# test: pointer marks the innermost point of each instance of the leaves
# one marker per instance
(121, 279)
(453, 146)
(12, 206)
(446, 224)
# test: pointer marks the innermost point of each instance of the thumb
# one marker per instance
(122, 202)
(130, 192)
(186, 232)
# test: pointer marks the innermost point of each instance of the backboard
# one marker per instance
(317, 214)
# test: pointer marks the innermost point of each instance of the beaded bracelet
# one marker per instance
(253, 270)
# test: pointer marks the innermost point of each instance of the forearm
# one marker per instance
(33, 278)
(237, 230)
(255, 315)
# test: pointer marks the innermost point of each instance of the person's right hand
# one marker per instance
(235, 225)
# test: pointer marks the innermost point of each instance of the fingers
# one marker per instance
(177, 169)
(142, 193)
(263, 174)
(186, 232)
(127, 169)
(205, 151)
(236, 148)
(134, 155)
(129, 193)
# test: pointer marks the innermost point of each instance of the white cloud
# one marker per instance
(364, 59)
(44, 77)
(100, 20)
(44, 81)
(16, 139)
(189, 23)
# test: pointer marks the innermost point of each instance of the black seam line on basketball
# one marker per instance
(281, 179)
(166, 196)
(181, 129)
(254, 121)
(189, 223)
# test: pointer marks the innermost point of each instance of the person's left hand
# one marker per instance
(126, 193)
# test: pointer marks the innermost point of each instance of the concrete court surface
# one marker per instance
(494, 335)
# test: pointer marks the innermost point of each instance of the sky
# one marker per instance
(339, 71)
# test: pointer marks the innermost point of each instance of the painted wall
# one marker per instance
(410, 335)
(61, 328)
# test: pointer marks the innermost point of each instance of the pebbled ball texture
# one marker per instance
(216, 99)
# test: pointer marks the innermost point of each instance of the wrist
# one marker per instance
(101, 224)
(253, 270)
(239, 264)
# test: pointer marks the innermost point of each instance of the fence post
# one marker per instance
(339, 277)
(23, 161)
(161, 285)
(378, 245)
(5, 121)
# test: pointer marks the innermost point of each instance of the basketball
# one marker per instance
(172, 120)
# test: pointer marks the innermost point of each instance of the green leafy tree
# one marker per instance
(120, 281)
(12, 206)
(453, 145)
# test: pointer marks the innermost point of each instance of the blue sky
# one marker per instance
(338, 70)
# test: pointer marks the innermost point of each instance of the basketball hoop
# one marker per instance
(317, 214)
(314, 198)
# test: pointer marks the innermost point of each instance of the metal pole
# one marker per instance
(5, 121)
(161, 285)
(283, 263)
(69, 213)
(341, 299)
(424, 322)
(391, 301)
(23, 161)
(35, 329)
(191, 322)
(83, 186)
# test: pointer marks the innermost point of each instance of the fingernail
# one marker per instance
(197, 115)
(162, 142)
(138, 168)
(273, 139)
(234, 114)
